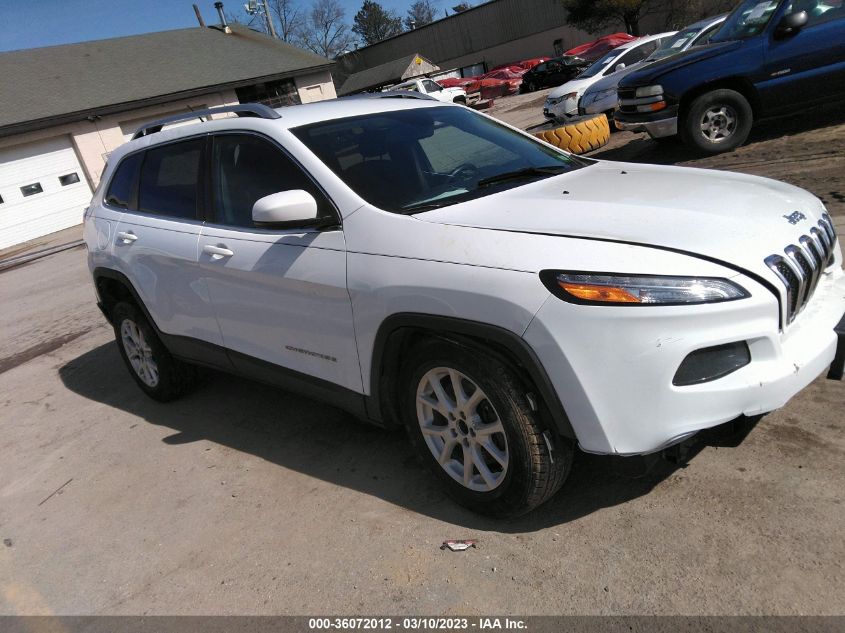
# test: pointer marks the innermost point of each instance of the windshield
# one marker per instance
(413, 160)
(748, 19)
(601, 63)
(671, 45)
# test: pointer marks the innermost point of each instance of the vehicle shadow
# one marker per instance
(672, 152)
(326, 443)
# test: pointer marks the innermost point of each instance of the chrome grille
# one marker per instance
(801, 266)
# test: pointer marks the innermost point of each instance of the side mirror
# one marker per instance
(619, 67)
(286, 209)
(791, 23)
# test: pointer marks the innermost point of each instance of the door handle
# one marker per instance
(127, 237)
(217, 251)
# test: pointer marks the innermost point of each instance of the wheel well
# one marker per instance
(111, 292)
(737, 84)
(402, 340)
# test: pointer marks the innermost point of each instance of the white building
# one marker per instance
(63, 109)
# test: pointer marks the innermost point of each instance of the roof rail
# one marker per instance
(241, 109)
(392, 94)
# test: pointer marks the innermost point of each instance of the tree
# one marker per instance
(289, 18)
(595, 16)
(325, 31)
(461, 7)
(421, 12)
(373, 23)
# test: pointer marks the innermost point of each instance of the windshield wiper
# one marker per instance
(525, 172)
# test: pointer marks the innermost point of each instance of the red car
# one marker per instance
(591, 51)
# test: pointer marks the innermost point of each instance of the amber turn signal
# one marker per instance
(607, 294)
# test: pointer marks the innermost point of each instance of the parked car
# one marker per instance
(591, 51)
(434, 90)
(553, 72)
(602, 95)
(510, 78)
(769, 58)
(563, 101)
(420, 264)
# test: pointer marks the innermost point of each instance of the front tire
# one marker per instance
(155, 371)
(717, 121)
(469, 420)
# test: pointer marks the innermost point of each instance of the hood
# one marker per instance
(612, 81)
(734, 218)
(690, 56)
(575, 85)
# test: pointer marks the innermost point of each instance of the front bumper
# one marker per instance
(562, 110)
(837, 367)
(612, 367)
(655, 129)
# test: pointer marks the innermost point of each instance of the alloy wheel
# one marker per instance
(718, 123)
(139, 352)
(462, 429)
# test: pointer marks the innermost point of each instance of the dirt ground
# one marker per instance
(241, 499)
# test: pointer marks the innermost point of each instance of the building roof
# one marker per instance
(61, 83)
(387, 73)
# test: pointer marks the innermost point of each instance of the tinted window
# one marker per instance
(247, 168)
(421, 158)
(69, 179)
(818, 11)
(169, 179)
(121, 189)
(431, 86)
(748, 19)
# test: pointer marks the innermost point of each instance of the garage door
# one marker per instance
(42, 190)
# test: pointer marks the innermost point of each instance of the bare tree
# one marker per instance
(326, 31)
(421, 12)
(289, 17)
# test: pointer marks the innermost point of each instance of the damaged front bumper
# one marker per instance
(837, 367)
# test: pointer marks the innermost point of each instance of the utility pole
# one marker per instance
(270, 26)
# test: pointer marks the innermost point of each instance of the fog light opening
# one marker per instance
(711, 363)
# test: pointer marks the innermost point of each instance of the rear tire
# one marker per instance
(717, 121)
(155, 371)
(486, 446)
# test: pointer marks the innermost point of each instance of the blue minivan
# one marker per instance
(768, 58)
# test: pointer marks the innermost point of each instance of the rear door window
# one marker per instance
(170, 178)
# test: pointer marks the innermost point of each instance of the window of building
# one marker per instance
(122, 188)
(170, 178)
(69, 179)
(247, 168)
(275, 94)
(31, 190)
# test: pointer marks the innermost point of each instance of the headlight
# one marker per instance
(553, 100)
(604, 94)
(569, 95)
(611, 289)
(649, 91)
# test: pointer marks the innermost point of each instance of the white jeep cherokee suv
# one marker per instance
(423, 264)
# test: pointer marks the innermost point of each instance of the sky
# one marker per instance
(36, 23)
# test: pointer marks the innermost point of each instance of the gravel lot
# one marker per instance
(241, 499)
